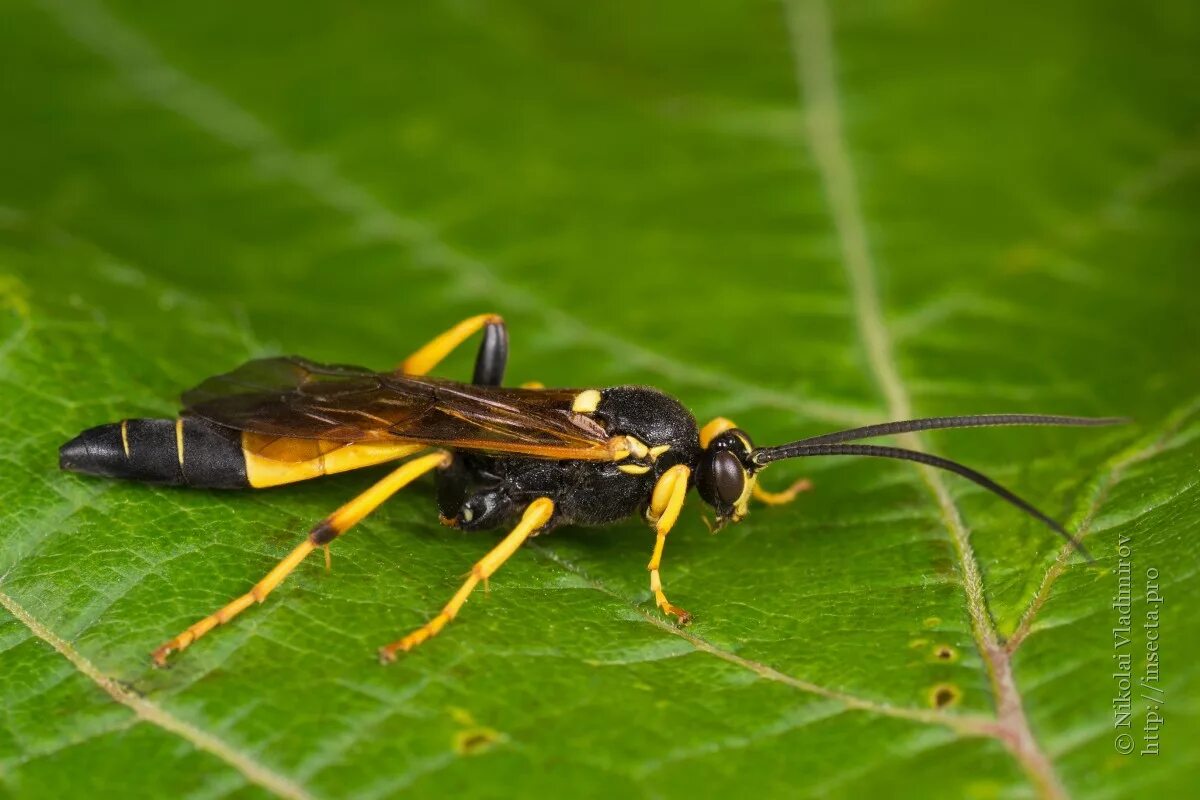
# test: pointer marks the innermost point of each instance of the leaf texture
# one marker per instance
(801, 216)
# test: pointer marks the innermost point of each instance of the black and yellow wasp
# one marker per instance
(530, 457)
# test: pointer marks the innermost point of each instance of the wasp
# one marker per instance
(529, 459)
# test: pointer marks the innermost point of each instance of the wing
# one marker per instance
(293, 398)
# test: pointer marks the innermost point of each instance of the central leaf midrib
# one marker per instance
(811, 39)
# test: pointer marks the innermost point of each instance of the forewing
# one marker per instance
(294, 397)
(298, 399)
(536, 422)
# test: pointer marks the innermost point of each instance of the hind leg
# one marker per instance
(489, 362)
(321, 535)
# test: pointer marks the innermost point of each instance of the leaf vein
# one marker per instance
(966, 725)
(812, 42)
(1148, 447)
(156, 715)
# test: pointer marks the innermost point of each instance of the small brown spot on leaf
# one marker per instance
(944, 695)
(474, 738)
(474, 741)
(944, 652)
(933, 622)
(917, 644)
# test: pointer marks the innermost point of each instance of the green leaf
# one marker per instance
(800, 219)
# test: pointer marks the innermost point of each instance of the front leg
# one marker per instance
(665, 504)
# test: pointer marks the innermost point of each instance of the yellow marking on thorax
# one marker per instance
(262, 472)
(627, 446)
(586, 401)
(617, 448)
(179, 439)
(125, 436)
(623, 446)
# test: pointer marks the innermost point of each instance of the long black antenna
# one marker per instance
(830, 444)
(937, 423)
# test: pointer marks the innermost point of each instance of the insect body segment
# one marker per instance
(177, 452)
(528, 459)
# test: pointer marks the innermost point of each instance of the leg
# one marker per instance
(719, 425)
(665, 505)
(489, 363)
(536, 515)
(321, 535)
(780, 498)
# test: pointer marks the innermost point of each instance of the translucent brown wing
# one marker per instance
(294, 398)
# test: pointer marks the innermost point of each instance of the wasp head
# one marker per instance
(725, 475)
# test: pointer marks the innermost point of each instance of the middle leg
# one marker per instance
(536, 515)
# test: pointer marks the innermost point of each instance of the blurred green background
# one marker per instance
(802, 215)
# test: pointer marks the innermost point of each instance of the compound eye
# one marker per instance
(729, 477)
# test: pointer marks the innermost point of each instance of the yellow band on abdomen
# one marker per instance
(262, 472)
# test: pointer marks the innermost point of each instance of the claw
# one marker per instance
(159, 656)
(681, 616)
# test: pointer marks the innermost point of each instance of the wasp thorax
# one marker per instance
(484, 510)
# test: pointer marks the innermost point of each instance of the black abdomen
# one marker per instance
(178, 452)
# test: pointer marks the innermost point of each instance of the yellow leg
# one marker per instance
(321, 535)
(665, 505)
(781, 498)
(536, 515)
(429, 356)
(533, 385)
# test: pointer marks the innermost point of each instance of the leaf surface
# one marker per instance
(798, 220)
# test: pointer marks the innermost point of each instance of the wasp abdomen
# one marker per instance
(177, 452)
